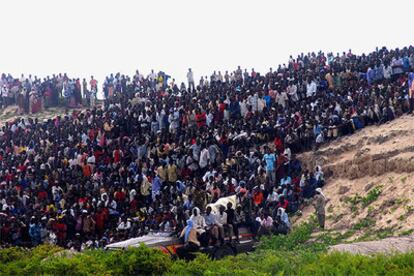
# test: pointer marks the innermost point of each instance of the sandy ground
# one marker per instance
(377, 158)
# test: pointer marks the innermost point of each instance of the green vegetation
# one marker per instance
(364, 223)
(50, 260)
(409, 210)
(358, 201)
(406, 232)
(371, 234)
(304, 263)
(300, 253)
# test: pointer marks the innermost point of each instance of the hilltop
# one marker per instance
(370, 181)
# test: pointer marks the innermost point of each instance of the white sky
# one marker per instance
(84, 37)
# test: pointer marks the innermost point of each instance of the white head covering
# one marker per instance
(319, 191)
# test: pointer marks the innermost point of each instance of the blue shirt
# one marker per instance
(268, 101)
(156, 186)
(270, 160)
(210, 219)
(286, 180)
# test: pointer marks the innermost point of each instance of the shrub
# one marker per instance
(270, 262)
(294, 241)
(12, 254)
(294, 254)
(42, 260)
(371, 196)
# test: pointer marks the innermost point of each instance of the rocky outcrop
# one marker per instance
(385, 246)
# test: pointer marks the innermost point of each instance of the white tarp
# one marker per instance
(148, 240)
(222, 201)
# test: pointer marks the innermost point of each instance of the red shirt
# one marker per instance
(201, 119)
(119, 196)
(91, 134)
(42, 195)
(97, 155)
(283, 204)
(100, 219)
(83, 200)
(117, 156)
(8, 177)
(258, 198)
(222, 107)
(279, 144)
(60, 229)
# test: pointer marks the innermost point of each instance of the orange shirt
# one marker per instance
(87, 170)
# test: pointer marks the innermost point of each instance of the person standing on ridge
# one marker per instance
(319, 204)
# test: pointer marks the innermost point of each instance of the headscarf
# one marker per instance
(198, 212)
(283, 216)
(319, 191)
(188, 230)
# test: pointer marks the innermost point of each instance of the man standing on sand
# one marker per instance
(319, 204)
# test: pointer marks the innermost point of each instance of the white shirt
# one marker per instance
(204, 157)
(91, 159)
(310, 89)
(199, 223)
(124, 225)
(210, 118)
(190, 76)
(221, 218)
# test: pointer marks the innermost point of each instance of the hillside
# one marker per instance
(370, 186)
(370, 181)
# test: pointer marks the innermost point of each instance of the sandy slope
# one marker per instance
(375, 158)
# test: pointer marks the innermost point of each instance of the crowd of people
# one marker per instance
(156, 153)
(32, 94)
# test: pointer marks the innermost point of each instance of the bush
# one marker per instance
(270, 262)
(17, 260)
(11, 254)
(295, 254)
(298, 239)
(43, 260)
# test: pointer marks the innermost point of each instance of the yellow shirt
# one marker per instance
(172, 173)
(162, 173)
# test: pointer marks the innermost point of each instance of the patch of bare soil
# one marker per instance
(370, 181)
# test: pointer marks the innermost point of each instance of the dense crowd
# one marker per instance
(157, 152)
(32, 94)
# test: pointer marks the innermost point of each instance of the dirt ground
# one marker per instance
(370, 181)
